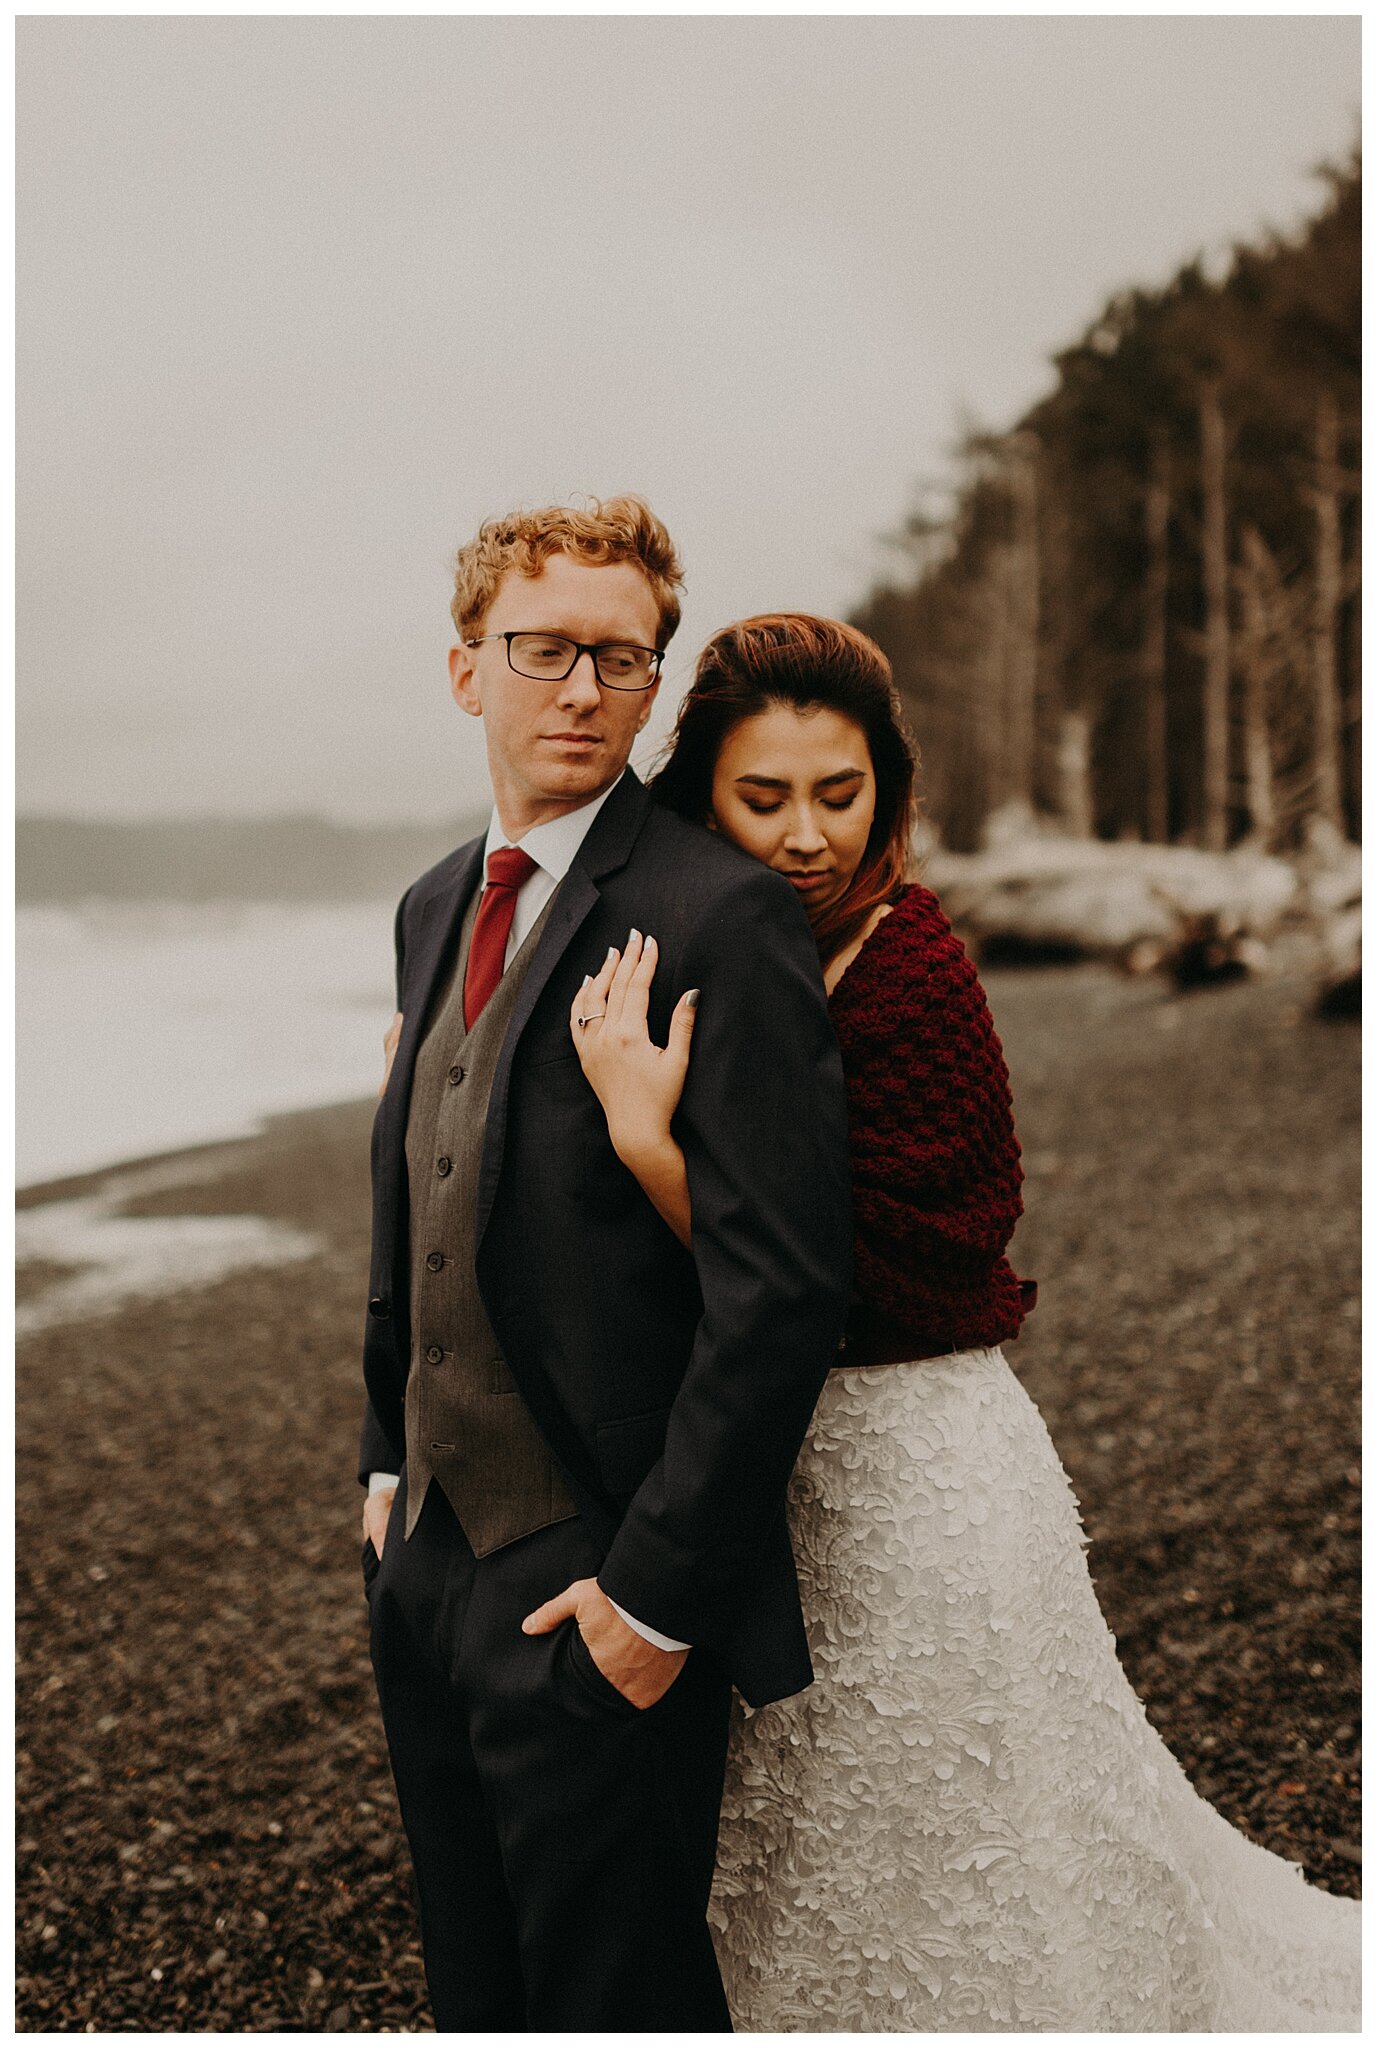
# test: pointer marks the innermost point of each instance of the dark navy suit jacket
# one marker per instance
(674, 1389)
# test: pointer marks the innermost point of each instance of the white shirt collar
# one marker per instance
(552, 846)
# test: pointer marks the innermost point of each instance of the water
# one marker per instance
(111, 1259)
(142, 1027)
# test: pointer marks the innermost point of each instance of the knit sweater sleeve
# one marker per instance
(935, 1162)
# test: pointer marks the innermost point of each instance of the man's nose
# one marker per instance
(580, 690)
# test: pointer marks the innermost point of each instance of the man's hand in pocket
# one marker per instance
(641, 1672)
(376, 1509)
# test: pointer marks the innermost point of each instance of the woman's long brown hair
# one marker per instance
(796, 659)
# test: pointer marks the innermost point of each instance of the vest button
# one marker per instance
(380, 1307)
(434, 1355)
(434, 1261)
(456, 1075)
(443, 1165)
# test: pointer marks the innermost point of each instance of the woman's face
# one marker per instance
(797, 789)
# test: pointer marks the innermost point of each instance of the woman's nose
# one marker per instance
(805, 834)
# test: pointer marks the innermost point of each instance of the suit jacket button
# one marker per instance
(434, 1355)
(443, 1165)
(380, 1307)
(434, 1261)
(456, 1075)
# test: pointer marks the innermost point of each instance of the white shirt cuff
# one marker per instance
(652, 1635)
(378, 1480)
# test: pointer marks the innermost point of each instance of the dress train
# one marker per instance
(968, 1823)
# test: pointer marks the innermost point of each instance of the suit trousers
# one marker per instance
(562, 1839)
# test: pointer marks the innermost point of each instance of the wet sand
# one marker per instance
(208, 1839)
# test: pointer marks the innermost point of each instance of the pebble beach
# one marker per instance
(207, 1834)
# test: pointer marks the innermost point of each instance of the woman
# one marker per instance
(967, 1822)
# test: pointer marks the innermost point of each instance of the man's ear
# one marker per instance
(462, 682)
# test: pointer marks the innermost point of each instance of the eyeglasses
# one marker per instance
(550, 657)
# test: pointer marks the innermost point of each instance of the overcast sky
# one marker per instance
(304, 299)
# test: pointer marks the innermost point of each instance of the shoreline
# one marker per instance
(69, 1186)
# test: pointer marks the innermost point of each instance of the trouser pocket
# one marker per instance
(593, 1682)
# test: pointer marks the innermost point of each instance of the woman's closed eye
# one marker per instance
(829, 803)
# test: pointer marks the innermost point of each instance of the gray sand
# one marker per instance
(207, 1834)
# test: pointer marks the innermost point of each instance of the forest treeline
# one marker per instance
(1139, 611)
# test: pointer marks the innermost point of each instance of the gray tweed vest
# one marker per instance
(467, 1425)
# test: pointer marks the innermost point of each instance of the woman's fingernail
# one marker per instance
(634, 936)
(611, 954)
(692, 998)
(584, 983)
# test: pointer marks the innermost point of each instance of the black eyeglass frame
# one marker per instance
(580, 647)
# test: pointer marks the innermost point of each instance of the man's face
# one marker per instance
(553, 746)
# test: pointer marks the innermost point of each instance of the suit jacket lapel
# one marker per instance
(607, 847)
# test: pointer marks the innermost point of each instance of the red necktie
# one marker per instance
(508, 868)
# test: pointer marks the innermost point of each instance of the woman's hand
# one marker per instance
(637, 1083)
(393, 1033)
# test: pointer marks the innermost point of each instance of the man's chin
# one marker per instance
(585, 776)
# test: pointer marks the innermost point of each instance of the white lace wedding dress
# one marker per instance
(967, 1823)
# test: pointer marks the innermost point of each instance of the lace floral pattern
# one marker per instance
(967, 1823)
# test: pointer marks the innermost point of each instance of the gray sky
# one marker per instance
(303, 299)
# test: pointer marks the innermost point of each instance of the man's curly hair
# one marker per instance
(621, 529)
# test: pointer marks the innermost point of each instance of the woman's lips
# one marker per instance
(806, 879)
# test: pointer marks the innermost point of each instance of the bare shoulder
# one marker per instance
(837, 967)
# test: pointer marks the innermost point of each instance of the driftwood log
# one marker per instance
(1044, 898)
(1331, 877)
(1033, 895)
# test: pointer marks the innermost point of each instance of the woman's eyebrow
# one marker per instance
(783, 782)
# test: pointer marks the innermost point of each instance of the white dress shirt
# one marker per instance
(552, 846)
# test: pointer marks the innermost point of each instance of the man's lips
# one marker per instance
(573, 739)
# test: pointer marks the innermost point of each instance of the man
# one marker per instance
(577, 1434)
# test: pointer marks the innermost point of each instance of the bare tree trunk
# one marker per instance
(1073, 774)
(1158, 517)
(1024, 600)
(1282, 612)
(1257, 741)
(1325, 628)
(1353, 716)
(1216, 572)
(994, 697)
(1054, 636)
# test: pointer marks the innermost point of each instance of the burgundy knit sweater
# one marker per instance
(935, 1172)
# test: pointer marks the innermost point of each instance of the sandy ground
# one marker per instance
(207, 1834)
